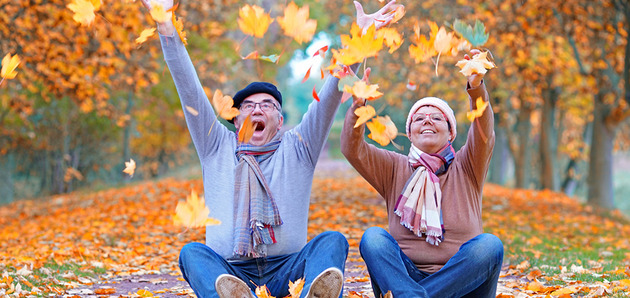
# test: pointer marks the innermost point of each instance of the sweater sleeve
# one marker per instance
(480, 142)
(318, 119)
(205, 129)
(375, 165)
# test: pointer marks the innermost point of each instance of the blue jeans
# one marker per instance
(201, 266)
(472, 272)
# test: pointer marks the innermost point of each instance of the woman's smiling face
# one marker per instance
(429, 129)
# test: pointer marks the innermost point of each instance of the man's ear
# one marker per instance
(280, 121)
(237, 122)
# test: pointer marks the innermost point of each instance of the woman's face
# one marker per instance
(429, 129)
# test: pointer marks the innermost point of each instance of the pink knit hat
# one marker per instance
(438, 103)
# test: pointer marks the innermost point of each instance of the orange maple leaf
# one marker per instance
(144, 293)
(476, 113)
(478, 64)
(365, 113)
(224, 105)
(392, 38)
(382, 130)
(179, 27)
(295, 288)
(145, 34)
(158, 13)
(263, 292)
(83, 11)
(130, 167)
(97, 4)
(253, 20)
(193, 213)
(296, 23)
(361, 89)
(9, 64)
(246, 131)
(358, 47)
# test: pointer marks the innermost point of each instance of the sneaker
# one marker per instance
(327, 284)
(230, 286)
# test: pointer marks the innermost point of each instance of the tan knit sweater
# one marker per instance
(461, 185)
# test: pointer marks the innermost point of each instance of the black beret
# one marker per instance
(257, 87)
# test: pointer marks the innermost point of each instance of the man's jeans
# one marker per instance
(201, 266)
(472, 272)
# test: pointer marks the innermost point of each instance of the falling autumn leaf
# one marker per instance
(158, 13)
(321, 52)
(357, 47)
(442, 44)
(224, 105)
(295, 288)
(83, 11)
(193, 213)
(478, 64)
(130, 167)
(382, 130)
(146, 33)
(246, 131)
(365, 113)
(296, 23)
(179, 27)
(314, 93)
(476, 113)
(263, 292)
(9, 64)
(392, 38)
(253, 20)
(361, 89)
(192, 111)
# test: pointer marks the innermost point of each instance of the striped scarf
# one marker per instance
(420, 204)
(256, 210)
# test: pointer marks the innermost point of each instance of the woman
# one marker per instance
(435, 246)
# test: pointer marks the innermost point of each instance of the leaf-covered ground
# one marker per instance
(121, 242)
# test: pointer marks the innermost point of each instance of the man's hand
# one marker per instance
(167, 28)
(474, 80)
(380, 18)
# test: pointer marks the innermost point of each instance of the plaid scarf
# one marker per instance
(420, 204)
(255, 207)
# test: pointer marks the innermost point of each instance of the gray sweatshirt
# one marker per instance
(289, 171)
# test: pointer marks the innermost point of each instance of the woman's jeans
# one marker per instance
(472, 272)
(201, 266)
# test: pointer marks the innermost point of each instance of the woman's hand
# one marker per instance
(475, 79)
(165, 28)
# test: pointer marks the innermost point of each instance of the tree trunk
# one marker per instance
(498, 172)
(548, 137)
(522, 154)
(7, 168)
(600, 182)
(574, 172)
(127, 135)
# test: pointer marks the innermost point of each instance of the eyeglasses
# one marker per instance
(265, 106)
(434, 117)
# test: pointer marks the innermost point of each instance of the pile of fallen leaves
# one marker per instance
(47, 245)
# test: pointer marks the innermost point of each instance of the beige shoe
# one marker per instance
(230, 286)
(327, 284)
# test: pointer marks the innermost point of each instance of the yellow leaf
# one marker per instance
(158, 13)
(83, 11)
(382, 130)
(9, 64)
(97, 4)
(144, 293)
(146, 33)
(358, 47)
(193, 213)
(296, 23)
(295, 288)
(246, 131)
(263, 292)
(565, 291)
(179, 27)
(392, 38)
(130, 167)
(478, 64)
(361, 89)
(476, 113)
(224, 105)
(253, 20)
(443, 41)
(365, 113)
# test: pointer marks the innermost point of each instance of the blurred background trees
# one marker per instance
(88, 98)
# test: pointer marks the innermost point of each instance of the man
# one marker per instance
(259, 190)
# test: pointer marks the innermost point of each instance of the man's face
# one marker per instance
(264, 112)
(429, 129)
